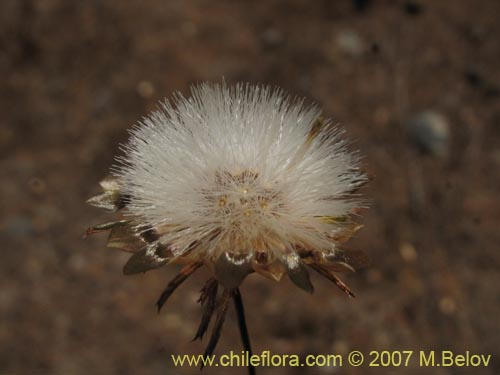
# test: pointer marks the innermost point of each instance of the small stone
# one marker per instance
(145, 89)
(77, 262)
(408, 252)
(374, 276)
(429, 130)
(272, 37)
(447, 305)
(349, 42)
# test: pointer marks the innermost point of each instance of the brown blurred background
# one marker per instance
(415, 83)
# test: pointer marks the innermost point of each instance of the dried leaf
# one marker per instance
(334, 219)
(339, 267)
(346, 259)
(111, 199)
(145, 260)
(230, 272)
(110, 183)
(125, 238)
(330, 276)
(108, 201)
(208, 302)
(148, 234)
(219, 322)
(103, 227)
(273, 271)
(176, 281)
(346, 233)
(300, 277)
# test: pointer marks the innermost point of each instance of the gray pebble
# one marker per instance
(429, 130)
(350, 43)
(272, 37)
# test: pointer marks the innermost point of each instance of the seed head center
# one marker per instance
(241, 198)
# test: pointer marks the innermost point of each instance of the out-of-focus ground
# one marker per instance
(76, 75)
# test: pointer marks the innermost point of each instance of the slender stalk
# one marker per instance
(245, 338)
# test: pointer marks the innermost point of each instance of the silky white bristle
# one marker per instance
(237, 170)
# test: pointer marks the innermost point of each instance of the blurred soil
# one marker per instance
(76, 75)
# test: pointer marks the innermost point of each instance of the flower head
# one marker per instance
(241, 179)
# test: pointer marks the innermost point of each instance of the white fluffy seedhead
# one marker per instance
(239, 171)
